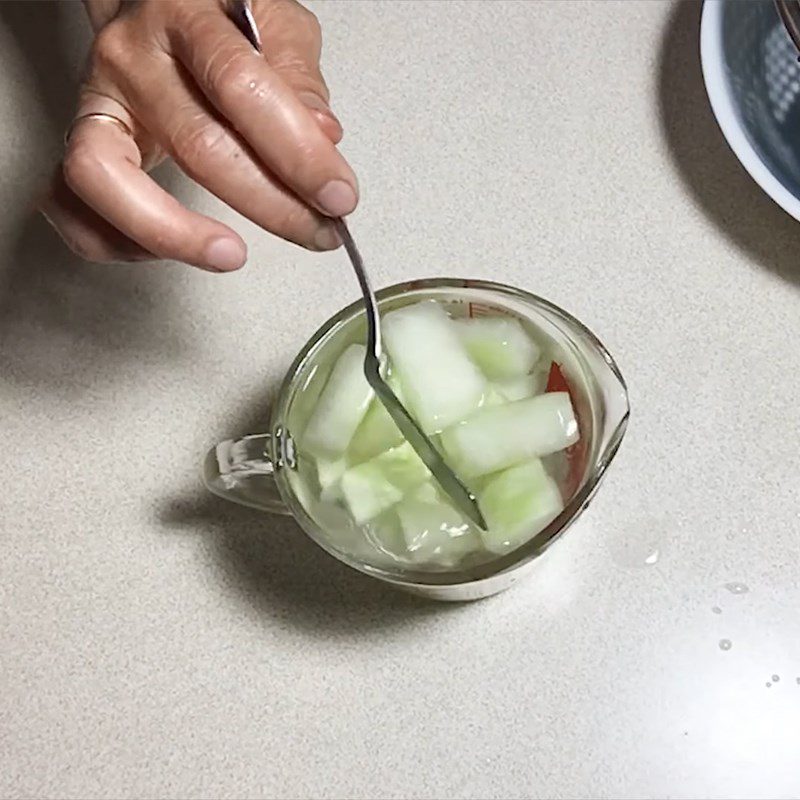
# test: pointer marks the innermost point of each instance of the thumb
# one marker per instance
(292, 42)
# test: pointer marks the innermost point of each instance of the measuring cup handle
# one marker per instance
(241, 470)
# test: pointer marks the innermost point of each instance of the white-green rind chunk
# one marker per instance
(330, 472)
(441, 384)
(498, 437)
(386, 536)
(329, 475)
(341, 407)
(377, 431)
(493, 397)
(367, 492)
(515, 389)
(434, 532)
(499, 346)
(376, 485)
(426, 493)
(341, 530)
(517, 504)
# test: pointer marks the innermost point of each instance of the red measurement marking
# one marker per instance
(576, 454)
(482, 310)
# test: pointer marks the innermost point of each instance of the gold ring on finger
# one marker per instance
(99, 116)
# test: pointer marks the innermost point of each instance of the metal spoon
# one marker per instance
(242, 15)
(463, 499)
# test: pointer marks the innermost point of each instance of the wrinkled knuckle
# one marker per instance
(292, 64)
(197, 145)
(291, 16)
(166, 14)
(111, 49)
(191, 24)
(306, 32)
(310, 23)
(232, 78)
(80, 165)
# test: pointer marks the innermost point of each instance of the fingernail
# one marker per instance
(326, 238)
(337, 198)
(315, 102)
(225, 254)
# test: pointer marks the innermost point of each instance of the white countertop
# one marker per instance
(157, 642)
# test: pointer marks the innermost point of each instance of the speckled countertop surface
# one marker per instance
(155, 642)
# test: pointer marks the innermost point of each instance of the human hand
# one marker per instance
(255, 130)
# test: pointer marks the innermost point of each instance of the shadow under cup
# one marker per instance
(243, 471)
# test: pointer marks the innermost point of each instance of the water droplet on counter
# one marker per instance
(735, 587)
(776, 678)
(768, 684)
(798, 681)
(652, 558)
(725, 644)
(716, 609)
(641, 544)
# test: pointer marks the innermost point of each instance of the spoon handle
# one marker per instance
(374, 346)
(414, 435)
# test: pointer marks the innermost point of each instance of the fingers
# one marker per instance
(292, 41)
(85, 232)
(214, 156)
(266, 111)
(102, 166)
(271, 156)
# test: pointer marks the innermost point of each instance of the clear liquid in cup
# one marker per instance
(498, 397)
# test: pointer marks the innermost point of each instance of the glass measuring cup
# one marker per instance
(265, 470)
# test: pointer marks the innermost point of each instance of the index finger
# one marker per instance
(265, 111)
